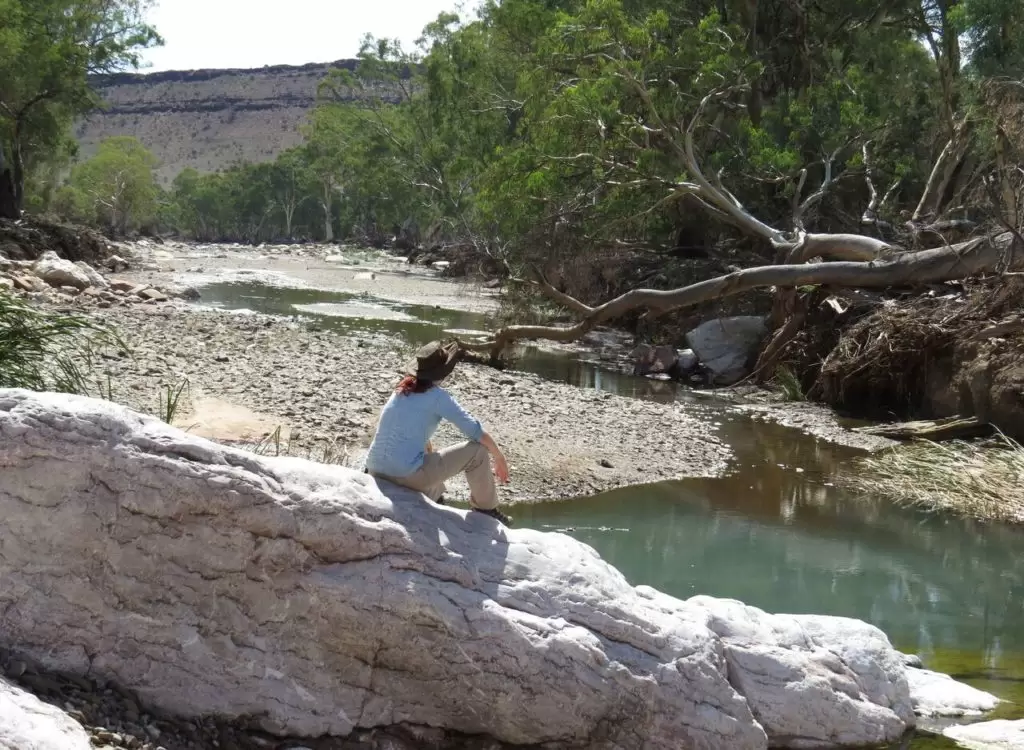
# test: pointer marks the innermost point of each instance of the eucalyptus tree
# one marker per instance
(48, 49)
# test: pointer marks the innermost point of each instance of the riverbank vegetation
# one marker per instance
(48, 351)
(984, 479)
(651, 163)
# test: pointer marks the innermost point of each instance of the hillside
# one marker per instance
(206, 118)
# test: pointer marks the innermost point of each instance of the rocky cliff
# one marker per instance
(207, 119)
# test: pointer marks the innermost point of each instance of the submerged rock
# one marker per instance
(26, 723)
(989, 735)
(214, 581)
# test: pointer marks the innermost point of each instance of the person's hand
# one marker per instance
(501, 468)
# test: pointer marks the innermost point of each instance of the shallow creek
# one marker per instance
(776, 532)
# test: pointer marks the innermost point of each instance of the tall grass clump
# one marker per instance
(983, 479)
(47, 351)
(789, 384)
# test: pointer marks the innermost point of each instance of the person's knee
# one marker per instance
(479, 454)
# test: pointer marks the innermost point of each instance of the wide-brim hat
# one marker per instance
(435, 361)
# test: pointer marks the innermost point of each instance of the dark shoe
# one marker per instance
(495, 513)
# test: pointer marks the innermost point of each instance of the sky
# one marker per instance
(253, 33)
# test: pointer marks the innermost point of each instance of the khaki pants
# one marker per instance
(471, 458)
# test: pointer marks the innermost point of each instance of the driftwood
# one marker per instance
(951, 428)
(981, 255)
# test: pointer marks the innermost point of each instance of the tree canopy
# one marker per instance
(48, 48)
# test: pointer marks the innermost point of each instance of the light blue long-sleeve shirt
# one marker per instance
(407, 423)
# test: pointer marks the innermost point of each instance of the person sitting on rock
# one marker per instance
(401, 451)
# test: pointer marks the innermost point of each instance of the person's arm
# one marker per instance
(451, 410)
(500, 464)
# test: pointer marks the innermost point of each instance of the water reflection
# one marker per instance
(788, 540)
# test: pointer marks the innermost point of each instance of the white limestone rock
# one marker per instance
(58, 272)
(937, 694)
(211, 580)
(1001, 734)
(27, 723)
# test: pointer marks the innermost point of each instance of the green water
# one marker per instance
(776, 533)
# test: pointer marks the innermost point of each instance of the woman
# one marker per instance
(401, 452)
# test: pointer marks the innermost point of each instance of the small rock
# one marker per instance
(605, 463)
(116, 263)
(1000, 734)
(95, 278)
(912, 660)
(151, 295)
(29, 283)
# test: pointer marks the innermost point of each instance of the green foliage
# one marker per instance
(169, 400)
(789, 385)
(554, 130)
(48, 48)
(116, 188)
(46, 351)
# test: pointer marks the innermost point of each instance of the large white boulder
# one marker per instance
(211, 580)
(726, 346)
(26, 723)
(58, 272)
(936, 694)
(1001, 734)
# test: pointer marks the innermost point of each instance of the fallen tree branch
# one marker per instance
(922, 267)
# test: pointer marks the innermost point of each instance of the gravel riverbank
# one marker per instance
(249, 374)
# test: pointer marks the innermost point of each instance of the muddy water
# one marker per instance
(776, 533)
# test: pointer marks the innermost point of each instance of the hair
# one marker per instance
(412, 384)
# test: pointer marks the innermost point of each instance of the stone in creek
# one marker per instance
(151, 295)
(95, 278)
(122, 285)
(1001, 734)
(936, 694)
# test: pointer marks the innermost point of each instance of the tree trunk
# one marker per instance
(8, 197)
(939, 264)
(328, 219)
(12, 181)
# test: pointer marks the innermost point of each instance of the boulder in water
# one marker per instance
(1001, 734)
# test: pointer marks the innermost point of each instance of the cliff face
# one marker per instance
(207, 119)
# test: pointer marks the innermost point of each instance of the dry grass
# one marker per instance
(983, 479)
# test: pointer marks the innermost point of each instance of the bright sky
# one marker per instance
(254, 33)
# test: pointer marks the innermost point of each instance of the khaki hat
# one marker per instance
(435, 361)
